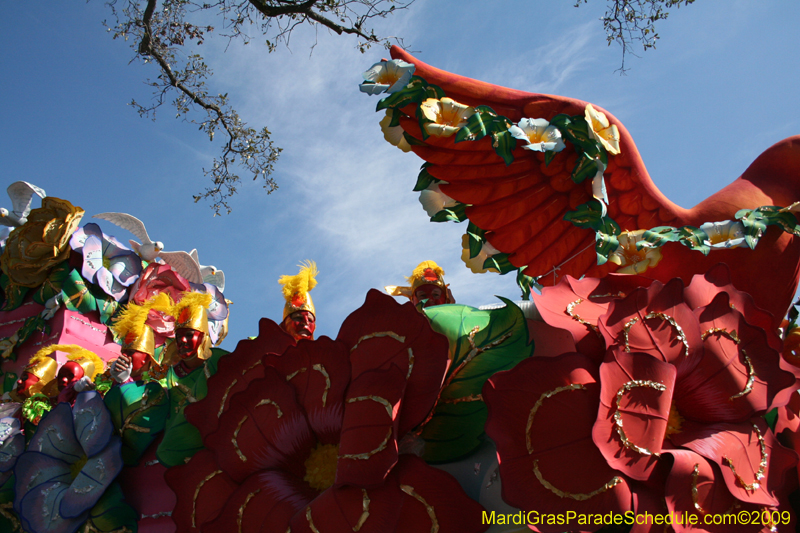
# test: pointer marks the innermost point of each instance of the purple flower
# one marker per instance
(12, 443)
(70, 462)
(106, 262)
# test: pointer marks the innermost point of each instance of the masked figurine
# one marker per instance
(299, 319)
(41, 370)
(75, 375)
(138, 340)
(427, 287)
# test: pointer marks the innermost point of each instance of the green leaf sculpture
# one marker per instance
(482, 342)
(139, 412)
(111, 513)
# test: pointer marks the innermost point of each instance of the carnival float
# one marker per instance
(648, 370)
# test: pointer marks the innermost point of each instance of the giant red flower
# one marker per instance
(314, 443)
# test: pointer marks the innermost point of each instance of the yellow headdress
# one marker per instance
(426, 273)
(43, 367)
(296, 289)
(89, 361)
(191, 312)
(131, 328)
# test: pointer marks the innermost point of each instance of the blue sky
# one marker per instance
(720, 88)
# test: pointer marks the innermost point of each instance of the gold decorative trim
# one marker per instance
(321, 369)
(470, 398)
(310, 521)
(236, 443)
(365, 510)
(392, 334)
(570, 310)
(618, 415)
(267, 401)
(383, 401)
(197, 493)
(538, 404)
(367, 455)
(240, 516)
(408, 489)
(295, 373)
(410, 363)
(695, 496)
(251, 367)
(762, 467)
(722, 331)
(613, 482)
(225, 397)
(751, 378)
(666, 318)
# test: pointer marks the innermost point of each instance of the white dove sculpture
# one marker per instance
(210, 273)
(21, 194)
(147, 250)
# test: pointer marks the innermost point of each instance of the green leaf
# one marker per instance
(457, 213)
(14, 294)
(588, 215)
(77, 296)
(395, 115)
(52, 285)
(605, 244)
(548, 156)
(694, 239)
(656, 237)
(585, 167)
(500, 263)
(503, 144)
(475, 129)
(476, 239)
(413, 93)
(139, 412)
(106, 305)
(424, 180)
(111, 513)
(481, 344)
(9, 381)
(754, 226)
(526, 283)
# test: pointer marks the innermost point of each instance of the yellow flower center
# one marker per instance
(321, 466)
(632, 255)
(674, 421)
(388, 78)
(77, 466)
(106, 263)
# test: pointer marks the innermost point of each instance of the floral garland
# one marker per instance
(593, 138)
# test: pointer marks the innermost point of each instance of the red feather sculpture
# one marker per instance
(521, 205)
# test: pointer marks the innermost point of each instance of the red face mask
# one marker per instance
(25, 381)
(300, 325)
(138, 361)
(433, 293)
(188, 342)
(70, 372)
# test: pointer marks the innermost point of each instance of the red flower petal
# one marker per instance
(263, 428)
(202, 489)
(319, 371)
(743, 451)
(635, 400)
(368, 445)
(382, 333)
(541, 415)
(266, 501)
(657, 322)
(234, 372)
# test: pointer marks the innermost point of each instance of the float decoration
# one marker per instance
(535, 164)
(481, 344)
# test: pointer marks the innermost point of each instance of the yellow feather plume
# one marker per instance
(420, 270)
(191, 299)
(81, 356)
(300, 283)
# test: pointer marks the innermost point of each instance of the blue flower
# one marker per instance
(387, 76)
(70, 462)
(12, 443)
(106, 262)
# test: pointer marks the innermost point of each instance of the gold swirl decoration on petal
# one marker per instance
(618, 415)
(365, 510)
(392, 334)
(310, 521)
(666, 318)
(225, 397)
(321, 369)
(235, 438)
(382, 445)
(751, 372)
(408, 489)
(240, 515)
(571, 312)
(762, 466)
(197, 493)
(613, 482)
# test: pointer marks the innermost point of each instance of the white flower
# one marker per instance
(539, 135)
(725, 234)
(632, 260)
(599, 129)
(394, 134)
(434, 200)
(389, 76)
(446, 116)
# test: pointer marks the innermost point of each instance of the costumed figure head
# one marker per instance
(191, 326)
(299, 317)
(138, 339)
(427, 287)
(40, 371)
(80, 362)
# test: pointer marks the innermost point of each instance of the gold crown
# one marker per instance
(296, 289)
(191, 312)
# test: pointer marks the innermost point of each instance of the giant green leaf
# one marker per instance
(77, 296)
(482, 342)
(111, 513)
(413, 93)
(52, 285)
(139, 412)
(13, 293)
